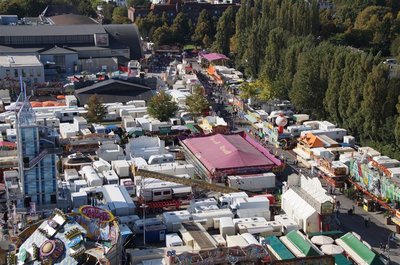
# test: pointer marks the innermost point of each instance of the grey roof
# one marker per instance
(71, 19)
(51, 30)
(88, 48)
(57, 50)
(122, 35)
(112, 90)
(11, 50)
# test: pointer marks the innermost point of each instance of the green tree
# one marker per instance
(225, 31)
(120, 15)
(203, 28)
(96, 111)
(207, 42)
(397, 129)
(163, 36)
(374, 98)
(85, 8)
(249, 91)
(308, 91)
(162, 107)
(197, 103)
(181, 28)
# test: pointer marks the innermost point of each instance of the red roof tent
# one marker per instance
(213, 56)
(7, 144)
(219, 152)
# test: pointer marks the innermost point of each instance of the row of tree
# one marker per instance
(182, 30)
(280, 44)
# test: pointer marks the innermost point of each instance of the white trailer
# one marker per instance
(258, 182)
(93, 179)
(212, 218)
(128, 220)
(287, 223)
(221, 242)
(111, 177)
(226, 226)
(173, 220)
(71, 174)
(227, 200)
(139, 224)
(236, 241)
(121, 167)
(173, 240)
(250, 239)
(156, 190)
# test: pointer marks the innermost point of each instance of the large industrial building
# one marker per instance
(69, 48)
(219, 156)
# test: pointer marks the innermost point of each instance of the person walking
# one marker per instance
(365, 222)
(338, 205)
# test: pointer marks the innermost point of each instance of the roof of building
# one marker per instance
(358, 250)
(122, 35)
(71, 19)
(213, 57)
(312, 140)
(226, 151)
(51, 30)
(10, 50)
(303, 245)
(19, 60)
(114, 91)
(57, 50)
(279, 248)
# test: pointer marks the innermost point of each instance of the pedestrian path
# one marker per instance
(371, 226)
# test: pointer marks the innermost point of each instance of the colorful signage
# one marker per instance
(92, 212)
(223, 255)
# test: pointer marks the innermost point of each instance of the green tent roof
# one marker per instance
(361, 249)
(192, 128)
(303, 245)
(340, 259)
(279, 248)
(326, 233)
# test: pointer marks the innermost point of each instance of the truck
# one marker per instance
(226, 200)
(253, 183)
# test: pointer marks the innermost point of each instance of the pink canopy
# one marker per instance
(225, 152)
(214, 56)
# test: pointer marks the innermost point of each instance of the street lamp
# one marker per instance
(144, 206)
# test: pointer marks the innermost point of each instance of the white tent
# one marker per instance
(322, 240)
(332, 249)
(300, 211)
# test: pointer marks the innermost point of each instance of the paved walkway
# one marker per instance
(375, 232)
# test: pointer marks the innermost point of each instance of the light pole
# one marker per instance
(143, 206)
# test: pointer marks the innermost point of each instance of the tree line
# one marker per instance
(327, 62)
(181, 31)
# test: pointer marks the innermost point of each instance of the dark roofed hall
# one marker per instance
(51, 30)
(71, 19)
(125, 35)
(112, 90)
(123, 38)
